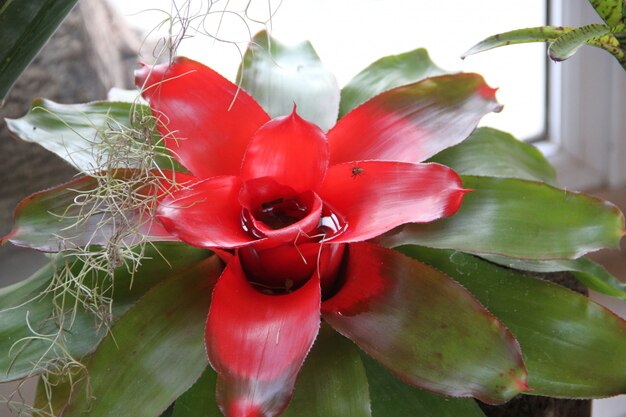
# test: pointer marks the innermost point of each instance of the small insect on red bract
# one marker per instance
(357, 171)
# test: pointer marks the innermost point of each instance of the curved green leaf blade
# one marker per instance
(424, 327)
(154, 353)
(79, 213)
(589, 273)
(332, 382)
(520, 219)
(536, 34)
(393, 398)
(493, 153)
(567, 45)
(279, 76)
(611, 11)
(25, 26)
(89, 136)
(385, 74)
(199, 400)
(27, 300)
(573, 347)
(611, 44)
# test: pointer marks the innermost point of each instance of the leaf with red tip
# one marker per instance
(573, 347)
(206, 214)
(206, 120)
(373, 197)
(413, 122)
(257, 342)
(289, 149)
(386, 73)
(52, 221)
(279, 76)
(424, 327)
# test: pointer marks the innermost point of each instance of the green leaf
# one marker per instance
(154, 353)
(279, 76)
(81, 212)
(567, 45)
(520, 219)
(611, 11)
(491, 152)
(612, 45)
(424, 327)
(88, 136)
(199, 400)
(385, 74)
(393, 398)
(572, 347)
(29, 300)
(332, 382)
(25, 26)
(536, 34)
(589, 273)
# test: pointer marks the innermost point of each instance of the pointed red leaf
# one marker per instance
(257, 342)
(413, 122)
(205, 119)
(206, 214)
(373, 197)
(425, 327)
(291, 150)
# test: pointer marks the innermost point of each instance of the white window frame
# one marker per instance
(587, 110)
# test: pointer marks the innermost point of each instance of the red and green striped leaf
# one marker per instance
(387, 73)
(572, 347)
(424, 327)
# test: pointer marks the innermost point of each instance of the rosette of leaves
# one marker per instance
(452, 300)
(565, 41)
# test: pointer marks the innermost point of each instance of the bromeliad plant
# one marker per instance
(346, 267)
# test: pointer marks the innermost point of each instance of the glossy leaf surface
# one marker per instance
(208, 137)
(424, 327)
(385, 74)
(22, 301)
(199, 400)
(289, 149)
(257, 342)
(53, 221)
(372, 197)
(567, 44)
(76, 133)
(413, 122)
(536, 34)
(393, 398)
(493, 153)
(154, 352)
(24, 29)
(332, 382)
(573, 347)
(279, 76)
(591, 274)
(520, 219)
